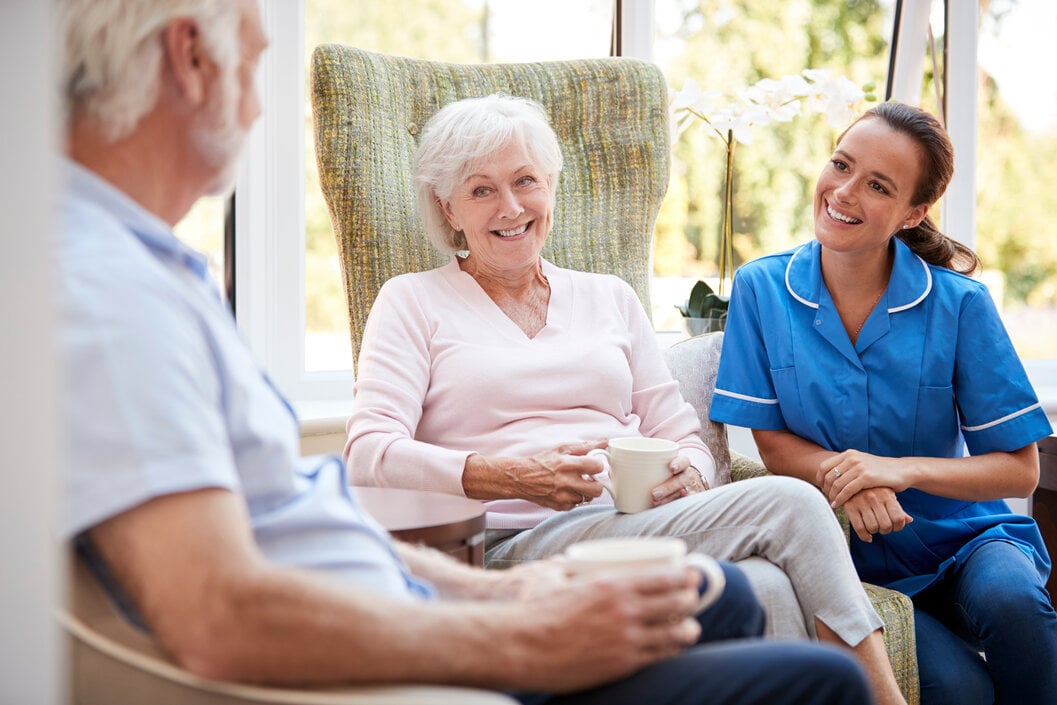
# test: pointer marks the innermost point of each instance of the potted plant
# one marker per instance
(704, 311)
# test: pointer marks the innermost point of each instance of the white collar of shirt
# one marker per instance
(910, 283)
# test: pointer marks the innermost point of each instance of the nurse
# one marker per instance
(865, 361)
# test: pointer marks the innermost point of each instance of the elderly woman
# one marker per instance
(492, 377)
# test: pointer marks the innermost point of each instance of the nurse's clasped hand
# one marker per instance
(865, 486)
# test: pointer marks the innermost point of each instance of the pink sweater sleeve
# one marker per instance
(391, 382)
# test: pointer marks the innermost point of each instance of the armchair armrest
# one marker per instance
(114, 663)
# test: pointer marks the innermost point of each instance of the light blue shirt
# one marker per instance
(933, 371)
(161, 396)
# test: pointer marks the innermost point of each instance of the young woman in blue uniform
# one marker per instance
(865, 361)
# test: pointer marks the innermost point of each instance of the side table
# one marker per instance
(1044, 503)
(454, 525)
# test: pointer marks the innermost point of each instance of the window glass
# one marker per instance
(463, 31)
(1016, 168)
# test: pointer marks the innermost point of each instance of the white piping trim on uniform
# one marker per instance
(996, 422)
(744, 397)
(894, 309)
(928, 288)
(788, 287)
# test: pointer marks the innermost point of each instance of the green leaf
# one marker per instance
(704, 303)
(698, 296)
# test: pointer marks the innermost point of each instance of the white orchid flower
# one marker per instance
(780, 98)
(834, 96)
(739, 119)
(692, 98)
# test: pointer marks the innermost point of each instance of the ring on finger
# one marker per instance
(836, 472)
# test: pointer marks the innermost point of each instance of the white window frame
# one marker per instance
(270, 207)
(270, 219)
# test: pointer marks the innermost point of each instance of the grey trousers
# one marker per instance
(779, 530)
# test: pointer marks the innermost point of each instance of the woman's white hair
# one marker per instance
(462, 135)
(113, 50)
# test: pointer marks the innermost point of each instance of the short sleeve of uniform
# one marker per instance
(998, 407)
(744, 393)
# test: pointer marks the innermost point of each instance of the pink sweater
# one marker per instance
(443, 373)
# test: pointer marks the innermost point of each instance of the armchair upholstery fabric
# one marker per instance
(611, 117)
(694, 363)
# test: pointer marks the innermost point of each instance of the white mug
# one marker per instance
(635, 554)
(636, 466)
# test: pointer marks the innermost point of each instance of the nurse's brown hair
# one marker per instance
(937, 166)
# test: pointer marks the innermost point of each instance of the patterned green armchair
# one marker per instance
(694, 364)
(611, 117)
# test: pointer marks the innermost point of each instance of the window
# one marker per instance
(289, 296)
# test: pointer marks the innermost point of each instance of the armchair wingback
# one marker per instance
(611, 117)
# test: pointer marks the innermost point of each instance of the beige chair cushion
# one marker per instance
(694, 363)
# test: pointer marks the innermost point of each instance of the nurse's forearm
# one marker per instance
(977, 478)
(785, 453)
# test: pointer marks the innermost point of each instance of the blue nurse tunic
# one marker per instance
(933, 372)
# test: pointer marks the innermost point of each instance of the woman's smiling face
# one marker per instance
(505, 208)
(863, 195)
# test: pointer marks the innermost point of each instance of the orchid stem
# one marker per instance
(726, 245)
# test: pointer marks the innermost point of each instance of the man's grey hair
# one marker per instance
(112, 52)
(463, 135)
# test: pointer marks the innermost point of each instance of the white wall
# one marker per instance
(29, 666)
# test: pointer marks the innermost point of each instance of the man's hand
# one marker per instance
(596, 631)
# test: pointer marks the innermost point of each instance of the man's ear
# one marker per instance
(185, 56)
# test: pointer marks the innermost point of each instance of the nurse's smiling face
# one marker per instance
(505, 208)
(863, 195)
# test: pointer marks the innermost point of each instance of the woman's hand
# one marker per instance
(685, 480)
(875, 511)
(846, 474)
(561, 478)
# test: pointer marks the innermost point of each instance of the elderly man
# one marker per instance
(186, 493)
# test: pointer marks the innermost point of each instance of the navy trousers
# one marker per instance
(732, 665)
(987, 633)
